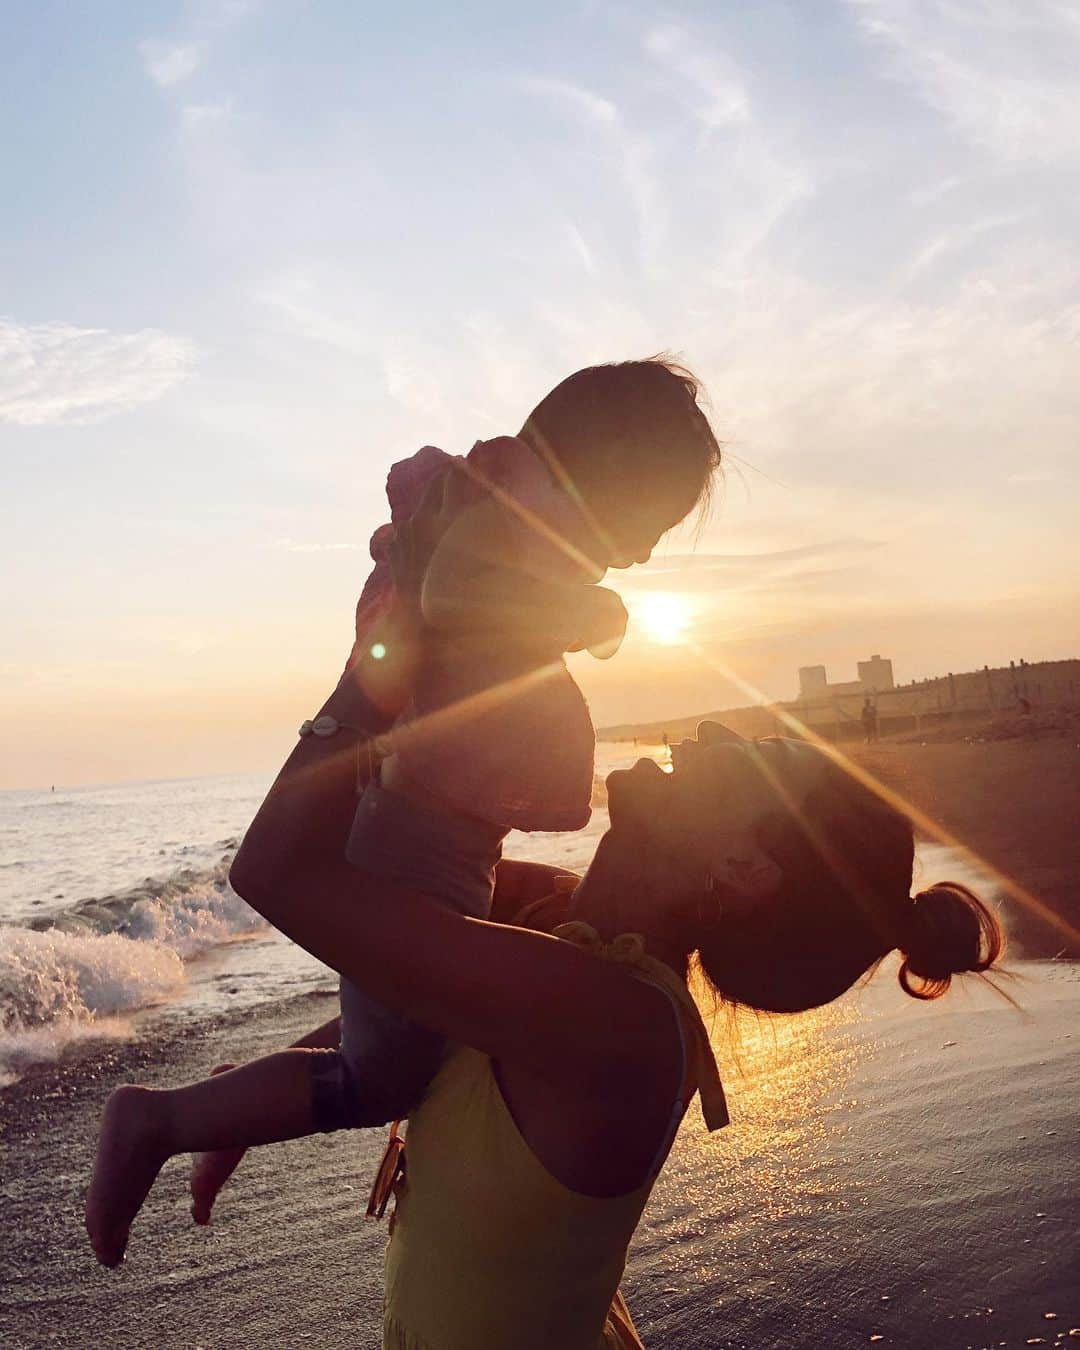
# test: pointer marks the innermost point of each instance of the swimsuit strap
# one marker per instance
(628, 949)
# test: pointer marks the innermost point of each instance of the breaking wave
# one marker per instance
(76, 972)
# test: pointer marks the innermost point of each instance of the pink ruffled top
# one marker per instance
(496, 728)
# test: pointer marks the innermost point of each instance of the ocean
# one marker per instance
(115, 901)
(895, 1173)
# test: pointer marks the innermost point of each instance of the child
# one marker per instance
(484, 577)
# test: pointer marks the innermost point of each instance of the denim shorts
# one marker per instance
(386, 1060)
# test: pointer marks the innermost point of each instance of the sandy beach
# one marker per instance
(1016, 803)
(895, 1174)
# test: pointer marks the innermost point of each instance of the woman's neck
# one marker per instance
(623, 891)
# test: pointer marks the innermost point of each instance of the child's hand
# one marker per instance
(605, 622)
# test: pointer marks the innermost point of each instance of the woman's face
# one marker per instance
(704, 817)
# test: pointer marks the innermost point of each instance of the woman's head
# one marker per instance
(630, 439)
(810, 877)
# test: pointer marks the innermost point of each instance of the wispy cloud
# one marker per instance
(1002, 73)
(580, 246)
(1031, 476)
(709, 78)
(295, 546)
(168, 63)
(304, 307)
(61, 373)
(953, 241)
(762, 182)
(195, 117)
(632, 151)
(791, 567)
(584, 103)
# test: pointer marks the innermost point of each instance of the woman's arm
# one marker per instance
(516, 995)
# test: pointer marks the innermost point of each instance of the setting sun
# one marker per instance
(661, 616)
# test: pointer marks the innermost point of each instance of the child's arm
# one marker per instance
(476, 581)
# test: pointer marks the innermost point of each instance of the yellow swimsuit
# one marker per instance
(488, 1251)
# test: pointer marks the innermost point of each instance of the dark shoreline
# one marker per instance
(894, 1171)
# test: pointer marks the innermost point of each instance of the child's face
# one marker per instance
(637, 525)
(631, 551)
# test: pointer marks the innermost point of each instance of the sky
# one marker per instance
(254, 251)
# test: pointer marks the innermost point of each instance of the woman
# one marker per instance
(533, 1154)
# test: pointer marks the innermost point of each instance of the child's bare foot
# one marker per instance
(209, 1172)
(132, 1147)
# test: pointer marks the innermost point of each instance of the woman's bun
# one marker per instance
(950, 931)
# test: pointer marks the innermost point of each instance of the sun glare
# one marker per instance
(661, 616)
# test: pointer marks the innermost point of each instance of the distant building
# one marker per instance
(875, 677)
(813, 682)
(834, 711)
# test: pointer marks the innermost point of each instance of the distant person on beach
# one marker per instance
(576, 1046)
(484, 577)
(869, 722)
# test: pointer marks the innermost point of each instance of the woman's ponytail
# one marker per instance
(949, 931)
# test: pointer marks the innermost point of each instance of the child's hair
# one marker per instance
(845, 903)
(631, 439)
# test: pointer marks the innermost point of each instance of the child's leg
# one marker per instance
(259, 1103)
(210, 1170)
(386, 1062)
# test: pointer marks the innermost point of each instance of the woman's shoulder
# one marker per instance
(606, 1137)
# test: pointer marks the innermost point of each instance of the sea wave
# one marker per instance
(75, 972)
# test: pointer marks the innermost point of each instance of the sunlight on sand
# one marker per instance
(781, 1073)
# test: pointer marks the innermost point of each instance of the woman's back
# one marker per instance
(487, 1247)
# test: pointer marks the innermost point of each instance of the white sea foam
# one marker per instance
(104, 958)
(56, 987)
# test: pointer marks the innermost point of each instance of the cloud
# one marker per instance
(1032, 476)
(957, 240)
(789, 567)
(294, 546)
(584, 103)
(581, 248)
(295, 297)
(769, 558)
(1003, 74)
(632, 152)
(168, 63)
(59, 373)
(195, 116)
(720, 98)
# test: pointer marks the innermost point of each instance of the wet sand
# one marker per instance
(895, 1171)
(1016, 802)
